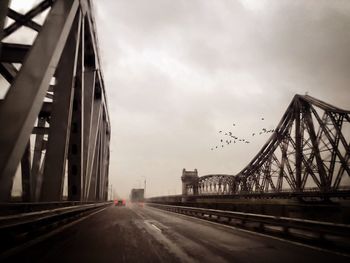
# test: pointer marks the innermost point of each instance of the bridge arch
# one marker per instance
(192, 184)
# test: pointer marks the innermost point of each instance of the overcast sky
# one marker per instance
(178, 72)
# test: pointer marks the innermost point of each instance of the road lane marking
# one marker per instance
(174, 242)
(156, 227)
(157, 234)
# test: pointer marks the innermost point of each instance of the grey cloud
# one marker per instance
(178, 71)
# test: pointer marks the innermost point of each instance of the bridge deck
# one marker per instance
(146, 234)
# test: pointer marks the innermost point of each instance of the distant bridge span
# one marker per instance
(308, 151)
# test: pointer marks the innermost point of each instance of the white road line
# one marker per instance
(156, 227)
(259, 234)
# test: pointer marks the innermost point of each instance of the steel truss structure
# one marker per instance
(54, 117)
(308, 151)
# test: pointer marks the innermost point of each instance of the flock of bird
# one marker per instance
(234, 139)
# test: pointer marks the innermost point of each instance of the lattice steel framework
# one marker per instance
(54, 118)
(309, 151)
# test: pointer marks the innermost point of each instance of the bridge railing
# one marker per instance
(26, 228)
(292, 227)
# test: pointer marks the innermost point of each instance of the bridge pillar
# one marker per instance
(189, 178)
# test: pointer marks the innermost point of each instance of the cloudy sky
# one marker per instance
(178, 72)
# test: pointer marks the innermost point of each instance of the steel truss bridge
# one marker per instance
(55, 132)
(54, 118)
(308, 154)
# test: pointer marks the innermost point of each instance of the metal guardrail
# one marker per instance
(18, 229)
(343, 193)
(309, 229)
(15, 208)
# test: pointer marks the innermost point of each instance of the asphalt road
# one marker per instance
(136, 234)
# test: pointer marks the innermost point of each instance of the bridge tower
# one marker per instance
(189, 182)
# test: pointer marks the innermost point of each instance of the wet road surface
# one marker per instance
(144, 234)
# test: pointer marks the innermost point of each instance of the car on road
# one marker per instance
(119, 202)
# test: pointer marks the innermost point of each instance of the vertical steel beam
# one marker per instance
(298, 145)
(103, 156)
(76, 143)
(320, 167)
(39, 179)
(101, 166)
(95, 124)
(29, 88)
(97, 167)
(57, 148)
(38, 146)
(107, 165)
(335, 144)
(93, 192)
(105, 162)
(89, 91)
(26, 176)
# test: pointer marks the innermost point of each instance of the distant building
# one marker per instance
(137, 195)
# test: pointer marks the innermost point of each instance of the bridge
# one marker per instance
(55, 107)
(308, 151)
(301, 171)
(290, 202)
